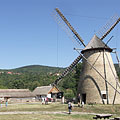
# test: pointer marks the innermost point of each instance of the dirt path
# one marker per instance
(43, 112)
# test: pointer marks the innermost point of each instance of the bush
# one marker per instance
(69, 95)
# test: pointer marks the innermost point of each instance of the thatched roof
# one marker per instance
(96, 43)
(16, 93)
(44, 90)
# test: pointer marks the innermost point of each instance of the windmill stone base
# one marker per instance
(92, 87)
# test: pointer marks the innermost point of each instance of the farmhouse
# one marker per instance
(16, 95)
(47, 91)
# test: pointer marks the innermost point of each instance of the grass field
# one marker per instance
(54, 111)
(45, 117)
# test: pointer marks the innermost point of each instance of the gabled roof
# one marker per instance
(44, 90)
(16, 93)
(96, 43)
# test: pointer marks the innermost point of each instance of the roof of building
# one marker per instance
(96, 43)
(44, 90)
(16, 93)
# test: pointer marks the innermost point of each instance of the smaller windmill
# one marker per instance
(98, 81)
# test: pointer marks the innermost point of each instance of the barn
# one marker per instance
(16, 95)
(47, 91)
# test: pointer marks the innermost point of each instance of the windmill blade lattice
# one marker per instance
(65, 28)
(105, 30)
(68, 70)
(62, 21)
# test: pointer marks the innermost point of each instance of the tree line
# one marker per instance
(31, 80)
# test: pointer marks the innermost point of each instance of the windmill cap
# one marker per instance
(96, 44)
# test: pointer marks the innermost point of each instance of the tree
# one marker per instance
(69, 95)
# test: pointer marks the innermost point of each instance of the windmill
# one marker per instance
(99, 81)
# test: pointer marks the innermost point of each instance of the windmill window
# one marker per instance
(104, 96)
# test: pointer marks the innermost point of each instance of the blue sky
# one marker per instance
(29, 34)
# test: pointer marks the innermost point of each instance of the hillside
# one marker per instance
(40, 69)
(28, 76)
(45, 69)
(36, 69)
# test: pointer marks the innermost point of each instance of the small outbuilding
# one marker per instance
(16, 95)
(47, 91)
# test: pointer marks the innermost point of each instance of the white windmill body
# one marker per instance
(92, 87)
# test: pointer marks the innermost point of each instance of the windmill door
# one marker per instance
(84, 98)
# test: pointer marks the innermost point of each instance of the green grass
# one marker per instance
(45, 117)
(37, 108)
(34, 107)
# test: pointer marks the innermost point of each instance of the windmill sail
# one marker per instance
(69, 33)
(104, 31)
(68, 69)
(70, 27)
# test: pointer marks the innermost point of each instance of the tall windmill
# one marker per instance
(98, 81)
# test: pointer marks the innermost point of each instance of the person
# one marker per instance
(1, 103)
(69, 107)
(6, 103)
(63, 100)
(79, 100)
(43, 101)
(46, 101)
(82, 104)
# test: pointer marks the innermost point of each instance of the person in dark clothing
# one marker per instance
(79, 97)
(70, 107)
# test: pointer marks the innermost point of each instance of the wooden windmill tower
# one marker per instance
(98, 82)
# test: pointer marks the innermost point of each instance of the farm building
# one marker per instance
(16, 95)
(47, 91)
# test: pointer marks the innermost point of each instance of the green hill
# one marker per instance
(28, 76)
(40, 69)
